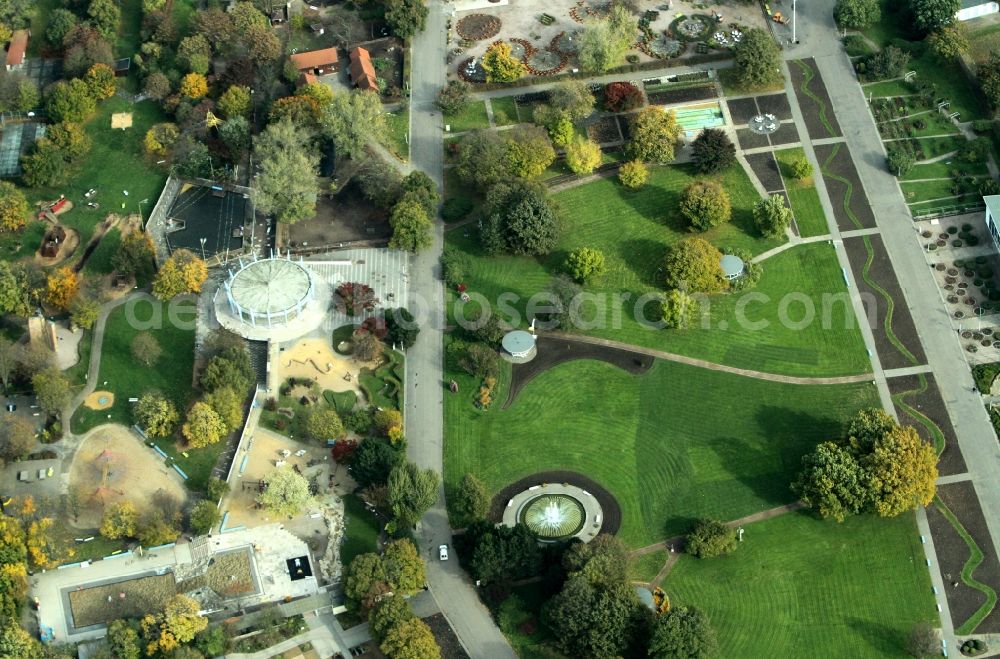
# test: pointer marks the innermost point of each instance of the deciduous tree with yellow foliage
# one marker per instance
(62, 287)
(183, 272)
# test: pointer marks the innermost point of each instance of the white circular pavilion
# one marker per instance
(518, 346)
(732, 266)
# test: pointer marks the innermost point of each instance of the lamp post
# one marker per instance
(202, 241)
(794, 40)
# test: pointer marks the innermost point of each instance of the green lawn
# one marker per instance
(99, 262)
(943, 169)
(360, 531)
(802, 195)
(504, 110)
(674, 444)
(39, 23)
(984, 38)
(129, 32)
(472, 117)
(934, 147)
(798, 586)
(936, 189)
(936, 124)
(77, 373)
(646, 567)
(634, 229)
(115, 164)
(399, 133)
(732, 87)
(887, 88)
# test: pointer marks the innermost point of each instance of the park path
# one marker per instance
(712, 366)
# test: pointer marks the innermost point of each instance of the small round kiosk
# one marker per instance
(519, 347)
(732, 266)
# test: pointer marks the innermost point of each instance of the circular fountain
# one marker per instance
(556, 511)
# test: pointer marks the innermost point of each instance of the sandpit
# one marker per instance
(315, 359)
(135, 473)
(100, 400)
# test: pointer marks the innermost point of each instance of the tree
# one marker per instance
(83, 311)
(364, 575)
(356, 297)
(228, 404)
(832, 482)
(405, 17)
(622, 97)
(204, 516)
(923, 641)
(373, 461)
(592, 621)
(573, 99)
(155, 530)
(712, 152)
(453, 97)
(401, 328)
(16, 297)
(8, 360)
(120, 521)
(17, 438)
(603, 43)
(134, 257)
(194, 86)
(70, 101)
(950, 42)
(100, 78)
(633, 174)
(404, 569)
(705, 204)
(903, 472)
(683, 632)
(711, 538)
(471, 501)
(931, 15)
(412, 639)
(323, 425)
(604, 561)
(419, 187)
(203, 426)
(13, 207)
(694, 264)
(500, 65)
(367, 346)
(105, 16)
(989, 79)
(182, 273)
(181, 618)
(160, 138)
(585, 263)
(654, 134)
(388, 422)
(156, 415)
(582, 155)
(286, 183)
(16, 642)
(676, 309)
(235, 101)
(52, 390)
(411, 228)
(890, 62)
(146, 349)
(230, 368)
(235, 134)
(352, 120)
(262, 44)
(412, 491)
(285, 493)
(157, 86)
(482, 159)
(529, 151)
(43, 165)
(772, 217)
(389, 612)
(502, 553)
(123, 640)
(61, 21)
(757, 59)
(217, 488)
(801, 168)
(518, 220)
(195, 53)
(381, 184)
(857, 14)
(900, 161)
(211, 642)
(84, 47)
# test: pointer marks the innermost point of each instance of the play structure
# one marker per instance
(105, 463)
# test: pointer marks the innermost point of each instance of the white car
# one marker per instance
(443, 552)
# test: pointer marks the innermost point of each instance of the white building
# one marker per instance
(976, 8)
(993, 217)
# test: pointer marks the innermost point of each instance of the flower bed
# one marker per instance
(471, 70)
(691, 28)
(477, 27)
(546, 63)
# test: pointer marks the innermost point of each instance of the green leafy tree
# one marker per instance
(676, 310)
(412, 491)
(217, 488)
(931, 15)
(401, 328)
(801, 168)
(694, 264)
(17, 438)
(228, 404)
(705, 205)
(482, 159)
(453, 97)
(364, 577)
(890, 62)
(13, 207)
(155, 529)
(604, 561)
(471, 500)
(561, 131)
(61, 21)
(134, 257)
(411, 228)
(949, 43)
(105, 16)
(710, 538)
(573, 99)
(900, 161)
(989, 79)
(419, 187)
(518, 220)
(603, 43)
(123, 640)
(406, 17)
(286, 183)
(584, 263)
(582, 155)
(120, 520)
(592, 621)
(352, 120)
(195, 53)
(324, 425)
(772, 217)
(16, 642)
(203, 426)
(156, 415)
(235, 134)
(712, 151)
(157, 86)
(412, 639)
(404, 569)
(500, 65)
(204, 516)
(478, 360)
(235, 101)
(52, 390)
(70, 101)
(529, 151)
(634, 174)
(757, 59)
(373, 461)
(683, 632)
(285, 493)
(857, 14)
(654, 135)
(502, 553)
(388, 613)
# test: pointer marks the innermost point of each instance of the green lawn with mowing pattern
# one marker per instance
(802, 196)
(798, 586)
(887, 88)
(471, 117)
(646, 567)
(360, 531)
(935, 189)
(399, 133)
(672, 445)
(943, 169)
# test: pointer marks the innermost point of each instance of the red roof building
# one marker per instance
(16, 50)
(317, 62)
(362, 70)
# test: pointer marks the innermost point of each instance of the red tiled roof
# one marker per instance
(362, 71)
(315, 58)
(18, 46)
(306, 78)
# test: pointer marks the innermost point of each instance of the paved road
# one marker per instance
(455, 594)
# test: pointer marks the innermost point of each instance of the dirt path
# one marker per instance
(701, 363)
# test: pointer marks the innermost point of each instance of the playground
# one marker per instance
(315, 359)
(112, 465)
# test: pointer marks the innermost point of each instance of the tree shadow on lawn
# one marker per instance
(643, 257)
(885, 640)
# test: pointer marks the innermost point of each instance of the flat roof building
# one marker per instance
(992, 218)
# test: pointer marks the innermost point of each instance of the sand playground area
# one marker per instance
(112, 465)
(316, 360)
(100, 400)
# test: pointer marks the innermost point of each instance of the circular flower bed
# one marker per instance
(546, 62)
(517, 50)
(566, 42)
(471, 70)
(663, 47)
(478, 27)
(691, 28)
